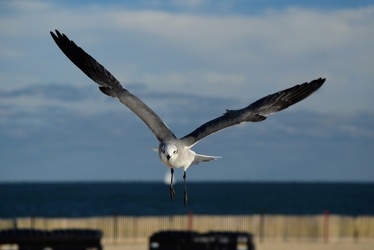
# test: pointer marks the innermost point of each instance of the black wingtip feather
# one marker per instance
(105, 90)
(84, 61)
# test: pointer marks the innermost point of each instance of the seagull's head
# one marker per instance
(168, 151)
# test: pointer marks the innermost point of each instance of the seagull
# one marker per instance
(176, 152)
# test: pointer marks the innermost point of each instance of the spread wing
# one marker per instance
(256, 111)
(109, 85)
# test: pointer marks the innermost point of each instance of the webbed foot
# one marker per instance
(172, 192)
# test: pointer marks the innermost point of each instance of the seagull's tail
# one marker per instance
(203, 158)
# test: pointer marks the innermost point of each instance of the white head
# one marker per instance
(168, 152)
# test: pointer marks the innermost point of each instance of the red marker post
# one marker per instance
(190, 218)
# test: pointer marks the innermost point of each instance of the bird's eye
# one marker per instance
(175, 151)
(163, 151)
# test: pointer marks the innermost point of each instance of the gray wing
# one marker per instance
(109, 85)
(256, 111)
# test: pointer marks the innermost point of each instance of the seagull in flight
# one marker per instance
(176, 152)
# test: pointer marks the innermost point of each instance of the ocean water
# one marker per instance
(219, 198)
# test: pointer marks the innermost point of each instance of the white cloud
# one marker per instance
(235, 56)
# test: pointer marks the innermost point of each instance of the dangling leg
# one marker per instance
(172, 192)
(185, 189)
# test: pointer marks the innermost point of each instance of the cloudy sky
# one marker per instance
(189, 61)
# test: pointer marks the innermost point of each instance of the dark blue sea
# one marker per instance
(217, 198)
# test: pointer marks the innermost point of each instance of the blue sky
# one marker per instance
(189, 61)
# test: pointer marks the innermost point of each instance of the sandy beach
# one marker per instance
(270, 246)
